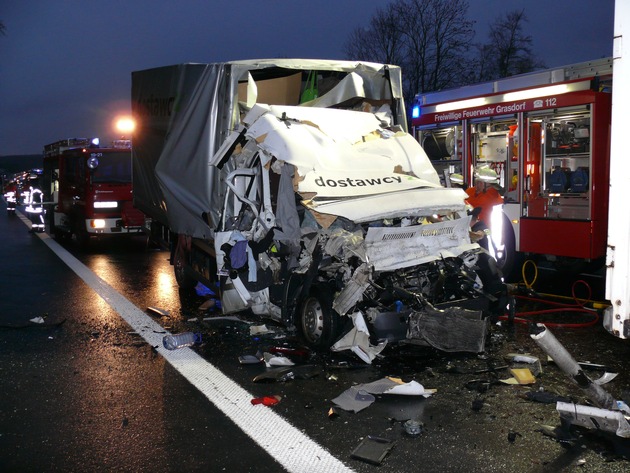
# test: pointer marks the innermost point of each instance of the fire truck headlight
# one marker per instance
(97, 223)
(105, 205)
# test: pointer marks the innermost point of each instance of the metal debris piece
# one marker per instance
(594, 418)
(161, 312)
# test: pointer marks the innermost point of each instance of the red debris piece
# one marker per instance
(267, 400)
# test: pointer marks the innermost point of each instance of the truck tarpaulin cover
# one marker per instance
(185, 112)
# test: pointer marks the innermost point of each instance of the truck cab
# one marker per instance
(88, 190)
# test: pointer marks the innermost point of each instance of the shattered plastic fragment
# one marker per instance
(523, 375)
(267, 400)
(259, 330)
(37, 320)
(276, 360)
(248, 360)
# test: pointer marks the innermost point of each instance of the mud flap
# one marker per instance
(452, 330)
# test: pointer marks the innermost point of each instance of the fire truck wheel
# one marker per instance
(81, 235)
(318, 323)
(179, 264)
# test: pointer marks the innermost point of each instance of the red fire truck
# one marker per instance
(87, 189)
(547, 135)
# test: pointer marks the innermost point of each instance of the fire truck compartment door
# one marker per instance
(571, 238)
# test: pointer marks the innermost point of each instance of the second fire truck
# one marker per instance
(88, 189)
(546, 134)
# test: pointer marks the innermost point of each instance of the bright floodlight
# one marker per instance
(125, 125)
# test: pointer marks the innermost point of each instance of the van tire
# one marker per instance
(317, 322)
(180, 261)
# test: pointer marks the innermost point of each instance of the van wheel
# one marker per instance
(318, 323)
(180, 262)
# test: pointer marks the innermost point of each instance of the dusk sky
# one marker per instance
(65, 65)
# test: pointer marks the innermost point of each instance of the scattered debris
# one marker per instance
(544, 397)
(605, 420)
(249, 360)
(359, 397)
(267, 400)
(523, 375)
(373, 449)
(160, 312)
(357, 340)
(276, 360)
(259, 330)
(413, 428)
(605, 378)
(561, 357)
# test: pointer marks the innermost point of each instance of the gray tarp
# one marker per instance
(184, 112)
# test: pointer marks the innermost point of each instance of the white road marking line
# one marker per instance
(289, 446)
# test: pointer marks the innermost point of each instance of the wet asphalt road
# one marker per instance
(83, 392)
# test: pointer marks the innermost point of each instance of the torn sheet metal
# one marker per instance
(357, 340)
(450, 330)
(353, 290)
(416, 244)
(594, 418)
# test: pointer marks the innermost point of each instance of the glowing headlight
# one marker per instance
(97, 223)
(105, 205)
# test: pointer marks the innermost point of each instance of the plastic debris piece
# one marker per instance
(272, 375)
(523, 375)
(181, 340)
(276, 360)
(202, 290)
(37, 320)
(373, 450)
(248, 360)
(267, 400)
(413, 428)
(259, 330)
(333, 413)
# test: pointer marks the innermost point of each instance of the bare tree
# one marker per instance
(429, 39)
(511, 48)
(380, 42)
